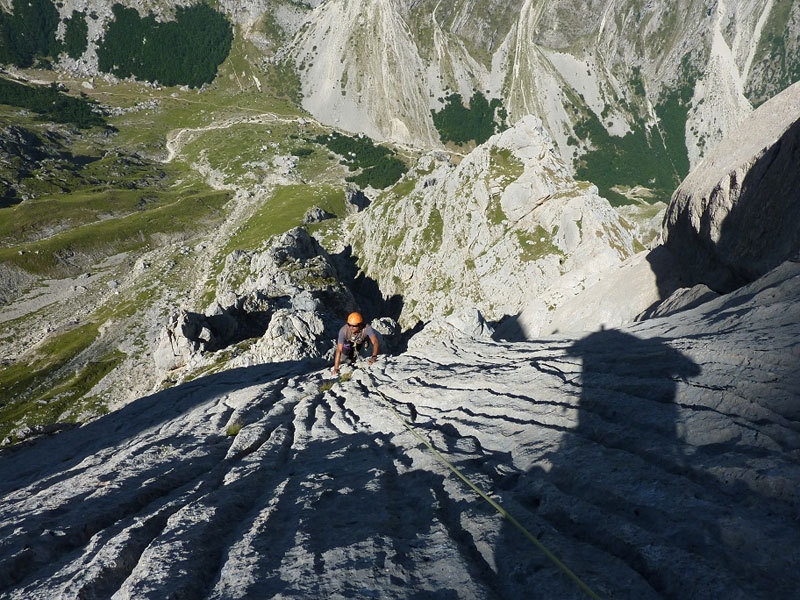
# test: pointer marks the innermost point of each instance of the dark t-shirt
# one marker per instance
(347, 335)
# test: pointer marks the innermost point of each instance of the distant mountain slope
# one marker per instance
(633, 93)
(618, 78)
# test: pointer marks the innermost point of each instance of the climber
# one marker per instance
(354, 336)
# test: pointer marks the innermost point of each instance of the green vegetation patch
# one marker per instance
(537, 244)
(284, 211)
(777, 63)
(50, 103)
(494, 211)
(28, 34)
(379, 166)
(460, 124)
(504, 166)
(246, 152)
(185, 51)
(672, 110)
(433, 232)
(44, 389)
(640, 158)
(655, 158)
(176, 211)
(76, 35)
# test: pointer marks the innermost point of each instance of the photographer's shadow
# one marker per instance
(600, 499)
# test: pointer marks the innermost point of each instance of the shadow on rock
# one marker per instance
(140, 464)
(626, 503)
(366, 290)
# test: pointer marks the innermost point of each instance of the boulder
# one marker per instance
(467, 323)
(316, 214)
(178, 341)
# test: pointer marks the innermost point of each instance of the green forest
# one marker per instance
(50, 104)
(185, 51)
(461, 124)
(379, 167)
(652, 157)
(28, 34)
(76, 37)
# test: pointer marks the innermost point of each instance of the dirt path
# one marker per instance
(178, 138)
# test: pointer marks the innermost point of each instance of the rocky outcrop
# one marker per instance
(284, 302)
(658, 460)
(490, 232)
(735, 216)
(730, 221)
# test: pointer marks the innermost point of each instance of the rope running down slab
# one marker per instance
(503, 512)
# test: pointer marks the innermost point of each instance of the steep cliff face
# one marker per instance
(614, 82)
(731, 221)
(361, 72)
(735, 216)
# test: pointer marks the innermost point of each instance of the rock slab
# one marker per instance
(660, 460)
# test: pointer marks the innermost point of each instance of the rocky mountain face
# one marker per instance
(604, 77)
(656, 459)
(557, 412)
(712, 224)
(489, 232)
(729, 222)
(616, 64)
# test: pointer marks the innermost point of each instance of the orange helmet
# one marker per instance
(354, 318)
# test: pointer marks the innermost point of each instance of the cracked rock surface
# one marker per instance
(660, 460)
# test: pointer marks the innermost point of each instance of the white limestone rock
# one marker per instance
(658, 460)
(500, 226)
(284, 301)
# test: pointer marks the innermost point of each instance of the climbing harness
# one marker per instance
(503, 512)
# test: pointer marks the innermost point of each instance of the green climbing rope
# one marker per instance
(502, 511)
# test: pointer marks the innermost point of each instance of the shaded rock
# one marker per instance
(389, 334)
(316, 214)
(355, 200)
(286, 300)
(682, 299)
(735, 216)
(178, 341)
